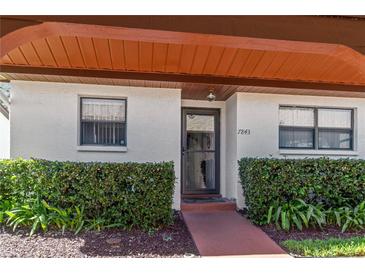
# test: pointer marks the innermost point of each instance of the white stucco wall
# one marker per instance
(44, 123)
(231, 147)
(260, 114)
(4, 137)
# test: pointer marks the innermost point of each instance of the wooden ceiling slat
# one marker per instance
(6, 60)
(265, 61)
(17, 56)
(173, 58)
(44, 53)
(103, 54)
(7, 76)
(58, 51)
(73, 51)
(200, 59)
(341, 72)
(117, 54)
(30, 54)
(88, 52)
(189, 90)
(145, 56)
(337, 65)
(131, 53)
(275, 65)
(293, 63)
(357, 77)
(213, 60)
(36, 77)
(298, 67)
(186, 58)
(252, 62)
(312, 67)
(238, 62)
(224, 64)
(159, 57)
(25, 77)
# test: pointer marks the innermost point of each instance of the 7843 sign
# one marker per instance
(244, 131)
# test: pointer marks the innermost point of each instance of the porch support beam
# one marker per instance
(182, 78)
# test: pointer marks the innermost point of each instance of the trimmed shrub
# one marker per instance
(322, 181)
(111, 194)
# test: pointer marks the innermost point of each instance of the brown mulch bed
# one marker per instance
(172, 241)
(311, 233)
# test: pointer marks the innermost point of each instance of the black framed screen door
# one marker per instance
(200, 151)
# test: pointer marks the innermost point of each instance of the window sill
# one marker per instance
(318, 152)
(102, 148)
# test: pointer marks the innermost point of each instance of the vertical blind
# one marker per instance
(334, 118)
(298, 125)
(296, 117)
(103, 110)
(103, 121)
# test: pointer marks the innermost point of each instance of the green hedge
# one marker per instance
(124, 194)
(332, 183)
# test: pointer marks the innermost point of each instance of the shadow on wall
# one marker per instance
(4, 120)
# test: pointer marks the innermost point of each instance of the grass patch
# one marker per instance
(333, 247)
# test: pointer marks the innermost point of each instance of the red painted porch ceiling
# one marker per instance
(76, 46)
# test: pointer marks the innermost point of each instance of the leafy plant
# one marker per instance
(34, 215)
(332, 183)
(297, 214)
(106, 194)
(40, 215)
(5, 205)
(348, 217)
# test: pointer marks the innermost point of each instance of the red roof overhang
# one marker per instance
(89, 51)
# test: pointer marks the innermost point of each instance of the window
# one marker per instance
(296, 127)
(103, 122)
(315, 128)
(335, 129)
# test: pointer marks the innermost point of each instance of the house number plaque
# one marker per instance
(244, 131)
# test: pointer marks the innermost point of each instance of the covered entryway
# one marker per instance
(230, 57)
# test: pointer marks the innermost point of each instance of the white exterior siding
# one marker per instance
(260, 114)
(231, 151)
(45, 118)
(4, 137)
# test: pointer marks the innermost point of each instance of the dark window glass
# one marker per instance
(315, 128)
(334, 139)
(103, 122)
(296, 137)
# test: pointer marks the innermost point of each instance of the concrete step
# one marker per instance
(201, 205)
(192, 196)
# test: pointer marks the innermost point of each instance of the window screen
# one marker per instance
(334, 128)
(315, 128)
(103, 122)
(296, 127)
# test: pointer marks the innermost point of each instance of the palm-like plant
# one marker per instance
(296, 213)
(39, 214)
(347, 217)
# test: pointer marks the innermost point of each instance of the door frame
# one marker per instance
(217, 128)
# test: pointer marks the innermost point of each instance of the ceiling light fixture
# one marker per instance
(211, 96)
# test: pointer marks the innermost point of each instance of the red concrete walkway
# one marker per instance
(223, 233)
